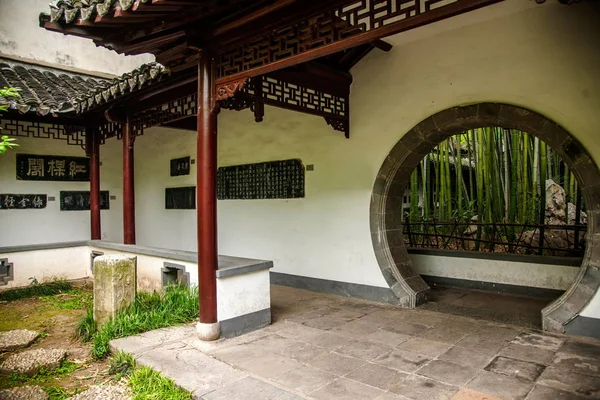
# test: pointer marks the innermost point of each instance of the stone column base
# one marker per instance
(208, 332)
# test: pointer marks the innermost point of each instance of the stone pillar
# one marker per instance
(114, 285)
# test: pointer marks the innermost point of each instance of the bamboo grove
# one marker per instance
(491, 175)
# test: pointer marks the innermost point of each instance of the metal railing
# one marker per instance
(555, 240)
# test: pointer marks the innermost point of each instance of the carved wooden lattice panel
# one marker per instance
(169, 112)
(109, 130)
(329, 27)
(72, 135)
(306, 98)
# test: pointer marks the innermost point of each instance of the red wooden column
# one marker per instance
(128, 186)
(93, 152)
(206, 197)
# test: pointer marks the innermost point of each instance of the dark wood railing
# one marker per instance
(556, 240)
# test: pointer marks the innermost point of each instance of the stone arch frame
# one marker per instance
(394, 175)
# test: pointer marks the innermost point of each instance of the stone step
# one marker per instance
(29, 362)
(17, 339)
(23, 393)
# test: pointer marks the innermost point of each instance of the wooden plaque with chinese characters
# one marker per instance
(80, 200)
(180, 166)
(22, 201)
(31, 167)
(267, 180)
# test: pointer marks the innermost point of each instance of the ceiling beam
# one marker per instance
(361, 38)
(382, 45)
(220, 30)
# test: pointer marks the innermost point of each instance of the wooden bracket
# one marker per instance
(228, 89)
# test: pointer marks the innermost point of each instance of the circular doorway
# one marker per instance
(394, 175)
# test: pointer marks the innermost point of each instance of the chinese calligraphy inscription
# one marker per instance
(31, 167)
(80, 200)
(22, 201)
(268, 180)
(180, 166)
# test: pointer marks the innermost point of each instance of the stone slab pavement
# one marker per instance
(329, 347)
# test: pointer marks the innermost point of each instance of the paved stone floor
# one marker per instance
(496, 307)
(329, 347)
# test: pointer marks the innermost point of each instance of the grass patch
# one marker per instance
(59, 393)
(147, 384)
(176, 305)
(43, 376)
(122, 364)
(74, 299)
(36, 290)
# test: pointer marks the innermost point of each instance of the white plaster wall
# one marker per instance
(67, 263)
(539, 56)
(253, 288)
(50, 225)
(20, 35)
(546, 276)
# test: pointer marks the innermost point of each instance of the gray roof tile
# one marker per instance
(44, 91)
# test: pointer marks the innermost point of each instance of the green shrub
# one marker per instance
(176, 305)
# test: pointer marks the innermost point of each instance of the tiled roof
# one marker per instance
(69, 11)
(46, 91)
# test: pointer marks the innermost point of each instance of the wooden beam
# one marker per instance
(362, 38)
(382, 45)
(251, 17)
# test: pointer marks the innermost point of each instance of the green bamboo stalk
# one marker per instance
(489, 185)
(437, 210)
(470, 152)
(572, 188)
(514, 171)
(535, 189)
(448, 183)
(479, 170)
(565, 184)
(525, 168)
(425, 186)
(543, 178)
(414, 196)
(507, 183)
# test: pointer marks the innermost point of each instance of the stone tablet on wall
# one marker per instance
(31, 167)
(22, 201)
(267, 180)
(80, 200)
(180, 166)
(180, 198)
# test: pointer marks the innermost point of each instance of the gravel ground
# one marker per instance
(23, 393)
(117, 391)
(30, 361)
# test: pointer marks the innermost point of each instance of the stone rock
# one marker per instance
(556, 205)
(23, 393)
(29, 362)
(571, 213)
(114, 285)
(17, 339)
(120, 391)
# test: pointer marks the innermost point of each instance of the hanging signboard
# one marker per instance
(180, 166)
(31, 167)
(22, 201)
(80, 200)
